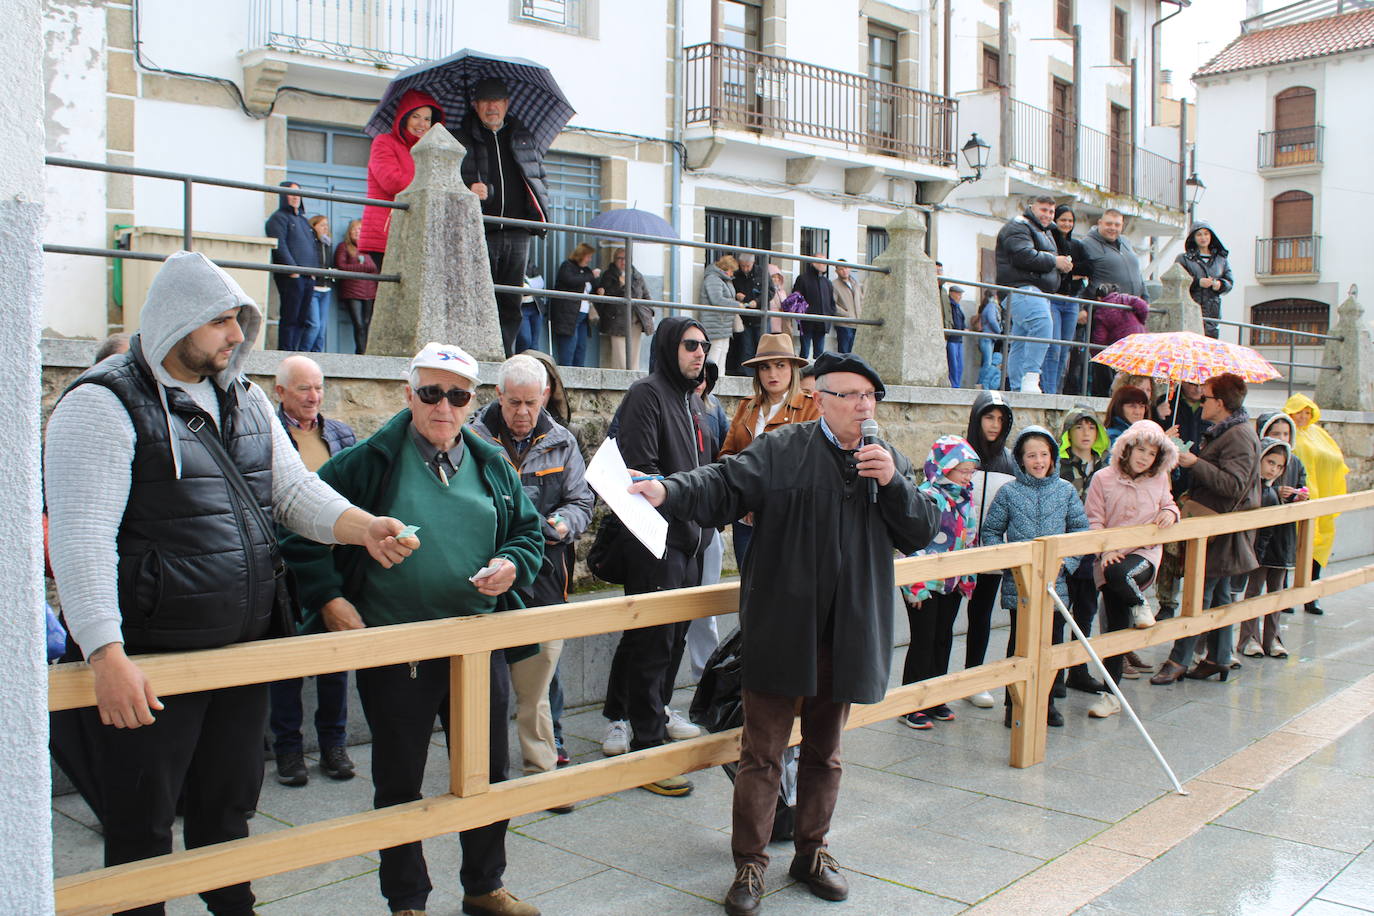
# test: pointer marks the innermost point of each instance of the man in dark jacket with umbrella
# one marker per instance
(1205, 258)
(816, 603)
(504, 167)
(297, 245)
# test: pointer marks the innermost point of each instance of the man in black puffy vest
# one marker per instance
(164, 472)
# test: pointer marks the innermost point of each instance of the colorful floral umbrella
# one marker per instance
(1182, 356)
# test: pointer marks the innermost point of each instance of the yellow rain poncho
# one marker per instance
(1326, 468)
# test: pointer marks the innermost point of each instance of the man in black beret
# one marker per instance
(504, 167)
(816, 603)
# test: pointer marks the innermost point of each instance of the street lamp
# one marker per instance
(976, 155)
(1195, 189)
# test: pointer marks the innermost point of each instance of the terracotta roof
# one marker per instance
(1300, 41)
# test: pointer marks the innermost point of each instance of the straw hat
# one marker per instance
(775, 346)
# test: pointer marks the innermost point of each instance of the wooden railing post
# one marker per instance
(469, 727)
(1194, 573)
(1034, 636)
(1307, 544)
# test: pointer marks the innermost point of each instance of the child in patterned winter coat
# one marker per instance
(932, 606)
(1038, 503)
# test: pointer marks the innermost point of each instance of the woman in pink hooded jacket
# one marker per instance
(1132, 490)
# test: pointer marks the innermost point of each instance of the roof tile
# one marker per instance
(1300, 41)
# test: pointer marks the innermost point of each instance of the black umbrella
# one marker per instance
(535, 99)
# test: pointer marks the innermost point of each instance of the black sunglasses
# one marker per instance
(692, 344)
(433, 394)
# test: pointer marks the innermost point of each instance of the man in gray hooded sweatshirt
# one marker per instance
(165, 471)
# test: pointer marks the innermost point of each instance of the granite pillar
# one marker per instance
(1351, 385)
(1174, 308)
(909, 349)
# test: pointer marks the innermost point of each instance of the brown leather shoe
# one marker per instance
(499, 902)
(1169, 673)
(821, 875)
(745, 896)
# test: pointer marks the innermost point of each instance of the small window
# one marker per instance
(1063, 15)
(875, 243)
(815, 243)
(882, 53)
(1121, 35)
(575, 16)
(350, 150)
(992, 68)
(307, 145)
(1293, 315)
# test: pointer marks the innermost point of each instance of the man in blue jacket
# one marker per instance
(1029, 259)
(296, 245)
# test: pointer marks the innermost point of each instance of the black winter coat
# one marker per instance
(297, 242)
(613, 315)
(752, 284)
(1026, 253)
(479, 165)
(659, 426)
(818, 292)
(820, 566)
(1214, 265)
(563, 313)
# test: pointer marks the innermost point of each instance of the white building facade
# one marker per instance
(1283, 146)
(797, 125)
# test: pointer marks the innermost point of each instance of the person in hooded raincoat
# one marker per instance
(1205, 258)
(390, 168)
(1326, 471)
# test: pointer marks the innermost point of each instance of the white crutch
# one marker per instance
(1111, 685)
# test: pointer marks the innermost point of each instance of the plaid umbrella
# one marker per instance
(1183, 356)
(535, 99)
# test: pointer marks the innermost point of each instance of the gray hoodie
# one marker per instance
(89, 449)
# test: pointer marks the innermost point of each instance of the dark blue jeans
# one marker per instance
(572, 348)
(844, 339)
(954, 358)
(331, 715)
(527, 338)
(812, 339)
(1064, 315)
(294, 297)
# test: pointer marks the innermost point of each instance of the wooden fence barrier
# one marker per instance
(473, 801)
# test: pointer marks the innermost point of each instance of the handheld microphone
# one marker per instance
(869, 430)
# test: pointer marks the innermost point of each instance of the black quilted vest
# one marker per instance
(196, 570)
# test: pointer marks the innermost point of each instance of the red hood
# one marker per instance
(411, 100)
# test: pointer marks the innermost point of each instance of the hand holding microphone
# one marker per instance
(874, 461)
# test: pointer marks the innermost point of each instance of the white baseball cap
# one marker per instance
(447, 357)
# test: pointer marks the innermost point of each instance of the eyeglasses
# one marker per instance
(1211, 397)
(433, 394)
(692, 345)
(860, 396)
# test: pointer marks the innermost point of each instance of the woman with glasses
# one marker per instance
(619, 322)
(568, 317)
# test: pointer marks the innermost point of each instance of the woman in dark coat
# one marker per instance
(612, 315)
(356, 296)
(1204, 257)
(1070, 318)
(813, 283)
(568, 317)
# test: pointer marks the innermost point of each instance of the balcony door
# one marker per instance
(741, 36)
(1295, 126)
(1063, 130)
(1294, 251)
(1119, 150)
(882, 99)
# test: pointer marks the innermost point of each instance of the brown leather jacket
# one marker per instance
(741, 433)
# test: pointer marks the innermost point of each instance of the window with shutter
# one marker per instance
(1121, 33)
(992, 68)
(1295, 126)
(1063, 15)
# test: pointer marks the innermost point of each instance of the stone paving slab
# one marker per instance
(937, 822)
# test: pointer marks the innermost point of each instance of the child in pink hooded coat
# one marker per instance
(1132, 490)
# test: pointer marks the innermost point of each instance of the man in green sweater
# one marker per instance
(466, 498)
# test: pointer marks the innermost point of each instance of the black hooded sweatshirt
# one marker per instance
(660, 428)
(992, 456)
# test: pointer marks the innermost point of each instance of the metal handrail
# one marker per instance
(761, 313)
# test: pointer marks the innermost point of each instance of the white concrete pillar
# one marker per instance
(25, 782)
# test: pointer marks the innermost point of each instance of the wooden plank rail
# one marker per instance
(468, 641)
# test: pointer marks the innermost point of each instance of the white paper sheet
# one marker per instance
(985, 487)
(608, 476)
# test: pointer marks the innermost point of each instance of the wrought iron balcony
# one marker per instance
(1280, 149)
(733, 87)
(1065, 148)
(1288, 256)
(383, 33)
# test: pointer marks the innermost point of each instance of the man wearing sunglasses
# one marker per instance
(816, 604)
(486, 540)
(659, 431)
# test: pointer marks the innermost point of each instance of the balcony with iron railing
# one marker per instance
(379, 33)
(731, 87)
(1291, 148)
(1289, 257)
(1064, 148)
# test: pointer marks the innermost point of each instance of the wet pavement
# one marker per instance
(1278, 761)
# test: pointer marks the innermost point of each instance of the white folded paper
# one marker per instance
(609, 477)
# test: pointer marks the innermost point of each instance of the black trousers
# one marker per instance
(1083, 605)
(1123, 589)
(294, 293)
(400, 711)
(360, 316)
(932, 637)
(206, 748)
(647, 659)
(1057, 636)
(980, 618)
(507, 250)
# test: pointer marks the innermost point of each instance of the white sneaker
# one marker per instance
(1030, 383)
(617, 740)
(1141, 617)
(679, 729)
(982, 700)
(1251, 648)
(1107, 705)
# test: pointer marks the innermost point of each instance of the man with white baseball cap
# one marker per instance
(431, 470)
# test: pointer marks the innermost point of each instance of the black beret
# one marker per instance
(829, 362)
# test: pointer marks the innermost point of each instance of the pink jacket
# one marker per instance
(1110, 325)
(1116, 500)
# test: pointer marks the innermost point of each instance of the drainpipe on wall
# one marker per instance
(948, 30)
(1004, 90)
(1077, 99)
(675, 191)
(1154, 55)
(1135, 120)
